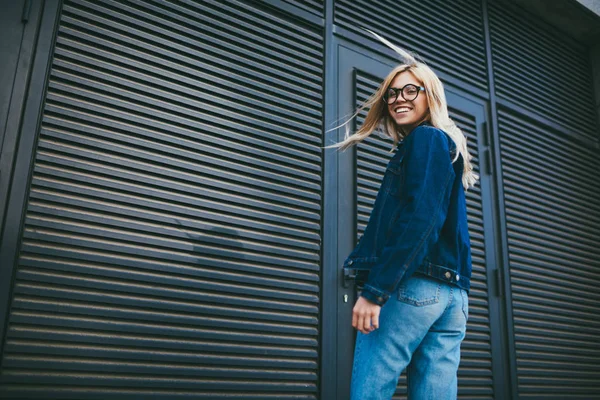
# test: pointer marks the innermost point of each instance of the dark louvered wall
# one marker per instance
(542, 70)
(314, 6)
(475, 374)
(172, 237)
(551, 189)
(458, 52)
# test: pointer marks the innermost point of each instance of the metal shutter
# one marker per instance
(475, 374)
(314, 6)
(542, 71)
(449, 35)
(551, 190)
(172, 238)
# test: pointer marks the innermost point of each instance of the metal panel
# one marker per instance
(551, 190)
(449, 35)
(542, 70)
(12, 34)
(172, 237)
(17, 43)
(314, 6)
(475, 374)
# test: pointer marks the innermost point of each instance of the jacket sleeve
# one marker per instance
(427, 187)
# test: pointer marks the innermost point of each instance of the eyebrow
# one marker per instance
(416, 84)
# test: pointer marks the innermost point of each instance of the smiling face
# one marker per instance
(408, 114)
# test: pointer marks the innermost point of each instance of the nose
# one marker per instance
(400, 101)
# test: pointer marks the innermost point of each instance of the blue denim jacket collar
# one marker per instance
(402, 141)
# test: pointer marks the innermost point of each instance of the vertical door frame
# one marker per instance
(38, 45)
(502, 272)
(329, 276)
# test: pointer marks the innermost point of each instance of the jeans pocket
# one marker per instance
(465, 303)
(419, 291)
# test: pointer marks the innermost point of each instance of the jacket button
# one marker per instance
(448, 275)
(379, 299)
(457, 278)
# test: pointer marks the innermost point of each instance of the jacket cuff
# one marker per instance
(374, 295)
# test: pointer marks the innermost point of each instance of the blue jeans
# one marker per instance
(423, 323)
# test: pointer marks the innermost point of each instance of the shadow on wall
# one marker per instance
(216, 241)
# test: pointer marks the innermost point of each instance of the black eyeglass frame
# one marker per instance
(400, 91)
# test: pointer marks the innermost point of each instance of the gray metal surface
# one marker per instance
(314, 6)
(176, 241)
(172, 237)
(551, 190)
(449, 35)
(548, 152)
(542, 70)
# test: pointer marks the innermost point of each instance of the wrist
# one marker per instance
(374, 295)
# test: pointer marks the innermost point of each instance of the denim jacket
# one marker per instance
(419, 220)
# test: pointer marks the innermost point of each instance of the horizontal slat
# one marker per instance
(315, 6)
(150, 344)
(42, 391)
(57, 348)
(120, 379)
(117, 326)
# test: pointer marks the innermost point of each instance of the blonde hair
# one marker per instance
(378, 115)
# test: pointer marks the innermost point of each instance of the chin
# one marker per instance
(405, 124)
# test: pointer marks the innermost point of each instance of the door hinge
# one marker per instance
(349, 277)
(26, 11)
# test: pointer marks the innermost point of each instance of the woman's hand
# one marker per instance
(365, 315)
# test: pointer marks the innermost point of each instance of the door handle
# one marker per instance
(349, 277)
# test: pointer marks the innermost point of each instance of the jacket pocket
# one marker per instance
(393, 178)
(419, 291)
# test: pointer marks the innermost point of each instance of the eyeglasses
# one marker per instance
(409, 93)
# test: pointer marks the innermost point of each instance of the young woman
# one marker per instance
(413, 262)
